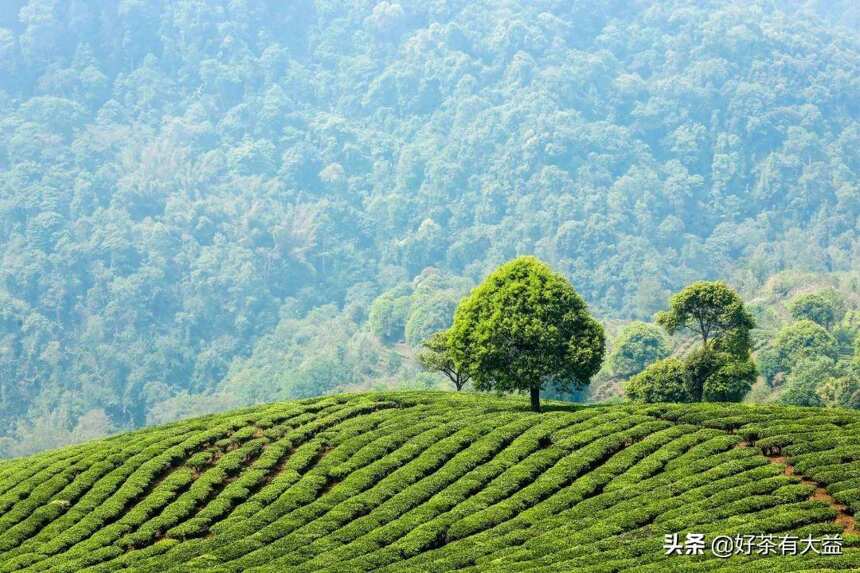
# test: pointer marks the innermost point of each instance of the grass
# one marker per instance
(438, 482)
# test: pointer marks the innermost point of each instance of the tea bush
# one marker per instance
(435, 482)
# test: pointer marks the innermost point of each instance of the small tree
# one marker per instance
(713, 311)
(436, 356)
(524, 328)
(720, 369)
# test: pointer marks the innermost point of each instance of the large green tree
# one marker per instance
(524, 328)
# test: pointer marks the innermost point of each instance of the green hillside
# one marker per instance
(437, 482)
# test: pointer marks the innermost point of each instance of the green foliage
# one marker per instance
(840, 391)
(719, 376)
(388, 314)
(793, 343)
(857, 351)
(413, 312)
(714, 312)
(429, 316)
(201, 200)
(720, 369)
(663, 381)
(418, 481)
(436, 356)
(525, 328)
(701, 376)
(731, 381)
(817, 307)
(638, 345)
(847, 332)
(802, 382)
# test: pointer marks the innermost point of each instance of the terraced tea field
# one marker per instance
(438, 482)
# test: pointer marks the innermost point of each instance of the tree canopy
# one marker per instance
(719, 368)
(817, 307)
(713, 311)
(437, 356)
(638, 345)
(795, 342)
(525, 328)
(665, 381)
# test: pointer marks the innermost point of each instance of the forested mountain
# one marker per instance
(209, 203)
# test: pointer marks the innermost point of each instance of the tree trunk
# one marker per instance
(534, 391)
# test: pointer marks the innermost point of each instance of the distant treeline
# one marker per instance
(210, 203)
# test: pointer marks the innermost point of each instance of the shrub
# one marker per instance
(663, 381)
(428, 482)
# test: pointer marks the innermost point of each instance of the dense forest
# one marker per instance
(205, 204)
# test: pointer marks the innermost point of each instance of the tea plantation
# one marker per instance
(439, 482)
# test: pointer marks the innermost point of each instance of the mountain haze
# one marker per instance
(210, 204)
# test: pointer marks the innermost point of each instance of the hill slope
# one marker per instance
(431, 481)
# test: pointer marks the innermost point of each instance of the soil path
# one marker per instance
(843, 517)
